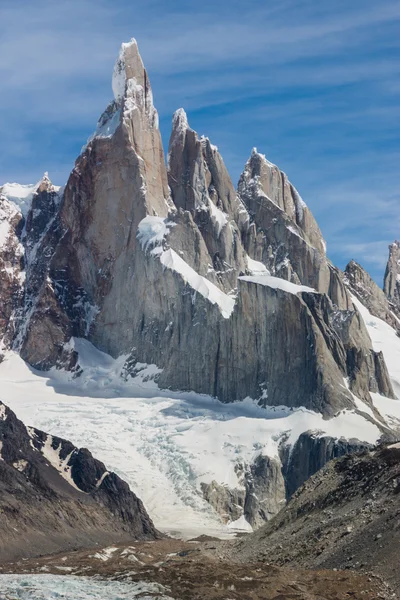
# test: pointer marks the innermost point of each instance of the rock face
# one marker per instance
(367, 291)
(260, 497)
(345, 516)
(54, 496)
(391, 284)
(310, 453)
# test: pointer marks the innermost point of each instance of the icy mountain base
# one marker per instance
(168, 447)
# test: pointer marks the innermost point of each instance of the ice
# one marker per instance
(152, 232)
(119, 74)
(278, 284)
(20, 195)
(171, 260)
(256, 267)
(163, 443)
(107, 127)
(52, 587)
(218, 216)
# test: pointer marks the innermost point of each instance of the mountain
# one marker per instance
(221, 292)
(232, 266)
(344, 517)
(55, 497)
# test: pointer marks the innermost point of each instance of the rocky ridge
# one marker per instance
(370, 294)
(55, 497)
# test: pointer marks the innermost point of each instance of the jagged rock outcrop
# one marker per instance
(369, 293)
(391, 283)
(310, 453)
(11, 267)
(265, 490)
(200, 184)
(282, 233)
(183, 281)
(260, 497)
(54, 496)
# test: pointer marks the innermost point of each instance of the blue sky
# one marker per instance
(313, 85)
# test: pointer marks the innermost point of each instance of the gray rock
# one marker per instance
(369, 293)
(260, 497)
(200, 184)
(391, 284)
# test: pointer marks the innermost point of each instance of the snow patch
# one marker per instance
(278, 284)
(102, 478)
(3, 415)
(219, 218)
(240, 525)
(171, 260)
(20, 465)
(256, 267)
(152, 232)
(106, 126)
(105, 554)
(384, 339)
(53, 456)
(20, 195)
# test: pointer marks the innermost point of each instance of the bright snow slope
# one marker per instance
(163, 444)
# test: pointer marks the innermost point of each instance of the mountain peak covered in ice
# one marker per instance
(127, 52)
(21, 195)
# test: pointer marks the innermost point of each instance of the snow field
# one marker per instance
(163, 444)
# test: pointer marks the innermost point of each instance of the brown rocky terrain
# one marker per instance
(189, 572)
(344, 517)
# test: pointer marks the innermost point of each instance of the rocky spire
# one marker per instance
(119, 178)
(369, 293)
(391, 284)
(282, 232)
(131, 121)
(262, 178)
(200, 184)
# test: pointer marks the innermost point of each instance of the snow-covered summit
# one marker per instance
(21, 195)
(120, 71)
